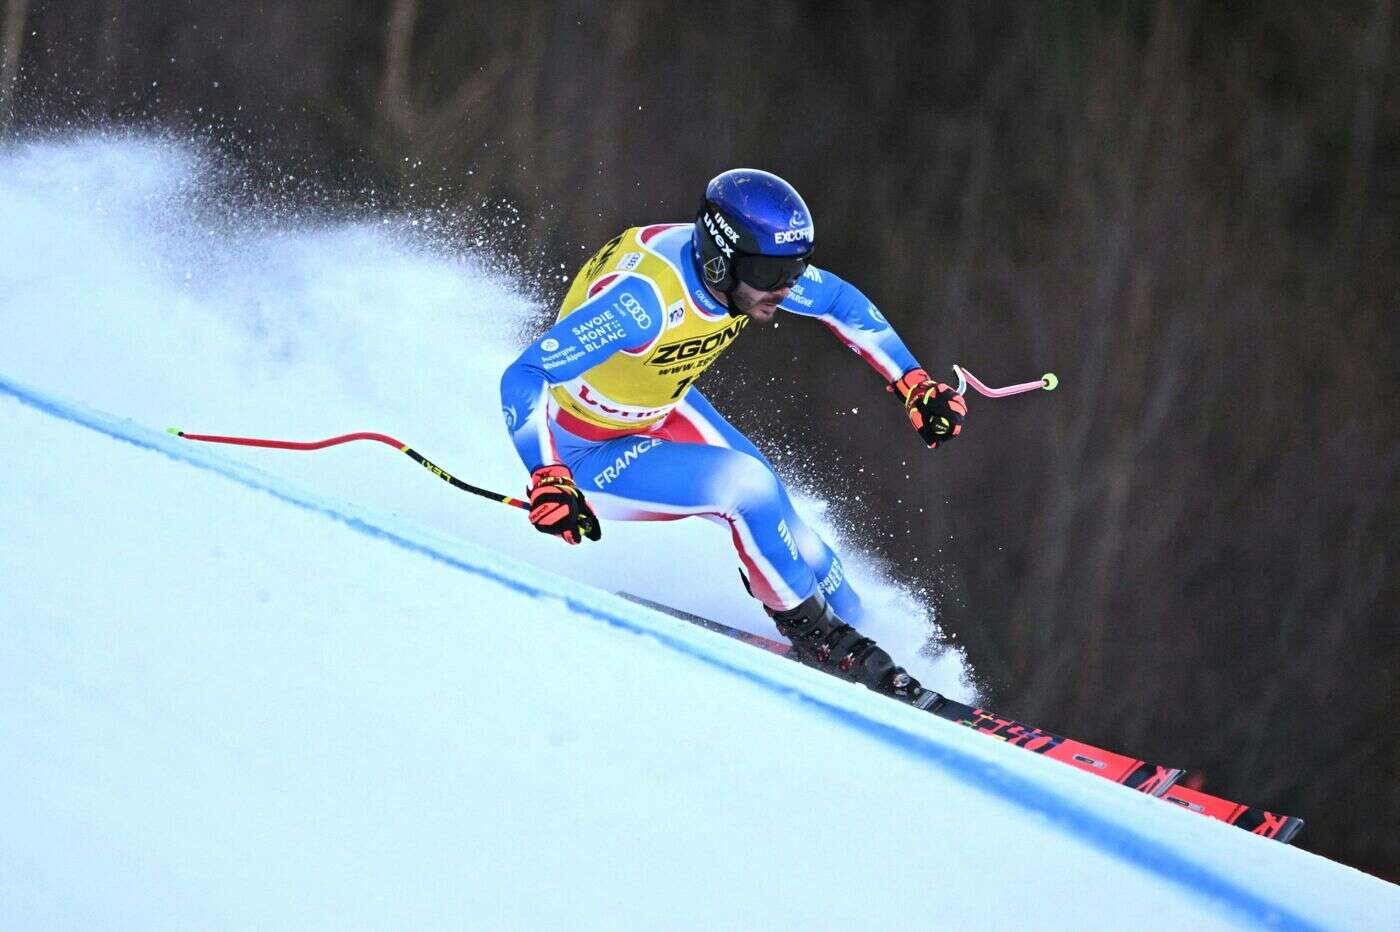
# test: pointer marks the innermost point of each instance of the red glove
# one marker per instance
(935, 409)
(558, 507)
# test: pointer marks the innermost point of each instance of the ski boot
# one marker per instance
(824, 642)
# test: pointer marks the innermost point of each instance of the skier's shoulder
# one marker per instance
(815, 291)
(818, 279)
(650, 251)
(662, 244)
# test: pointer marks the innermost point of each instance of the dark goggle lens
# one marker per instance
(769, 273)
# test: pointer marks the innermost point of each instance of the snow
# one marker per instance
(130, 284)
(278, 690)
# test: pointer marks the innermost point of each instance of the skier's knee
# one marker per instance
(748, 483)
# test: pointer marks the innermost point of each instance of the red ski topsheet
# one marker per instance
(1250, 818)
(1120, 768)
(1152, 779)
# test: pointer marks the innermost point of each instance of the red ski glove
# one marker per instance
(558, 507)
(935, 409)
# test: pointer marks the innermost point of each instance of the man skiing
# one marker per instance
(607, 395)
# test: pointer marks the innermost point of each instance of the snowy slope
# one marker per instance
(133, 277)
(228, 708)
(230, 702)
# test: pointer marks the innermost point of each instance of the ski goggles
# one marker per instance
(768, 273)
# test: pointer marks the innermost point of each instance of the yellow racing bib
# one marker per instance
(639, 386)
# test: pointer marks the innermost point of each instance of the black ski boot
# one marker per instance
(824, 642)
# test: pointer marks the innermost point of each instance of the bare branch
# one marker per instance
(16, 12)
(394, 110)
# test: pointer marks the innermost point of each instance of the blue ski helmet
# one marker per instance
(753, 227)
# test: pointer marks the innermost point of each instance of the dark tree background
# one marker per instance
(1189, 210)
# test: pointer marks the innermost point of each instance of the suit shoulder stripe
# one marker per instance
(601, 283)
(655, 230)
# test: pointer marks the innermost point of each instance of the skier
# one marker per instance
(608, 395)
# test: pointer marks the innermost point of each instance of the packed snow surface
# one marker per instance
(251, 689)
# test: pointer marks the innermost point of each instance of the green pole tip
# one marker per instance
(173, 430)
(1051, 381)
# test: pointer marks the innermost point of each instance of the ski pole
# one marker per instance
(1048, 381)
(412, 454)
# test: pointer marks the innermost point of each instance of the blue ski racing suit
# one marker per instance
(609, 392)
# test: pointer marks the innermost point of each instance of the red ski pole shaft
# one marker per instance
(404, 448)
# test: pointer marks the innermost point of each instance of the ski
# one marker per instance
(1139, 775)
(1252, 819)
(1153, 779)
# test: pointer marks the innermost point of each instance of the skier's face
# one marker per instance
(758, 306)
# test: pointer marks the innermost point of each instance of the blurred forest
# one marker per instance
(1190, 211)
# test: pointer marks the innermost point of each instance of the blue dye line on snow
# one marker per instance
(1111, 837)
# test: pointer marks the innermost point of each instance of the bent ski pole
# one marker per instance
(404, 448)
(1048, 381)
